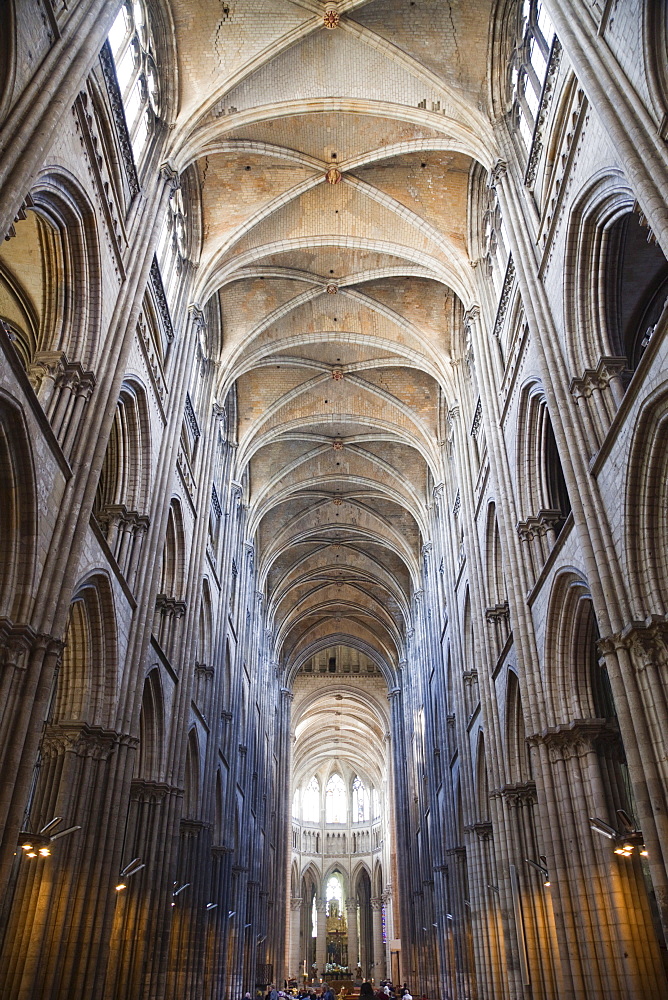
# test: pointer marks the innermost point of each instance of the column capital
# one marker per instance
(498, 172)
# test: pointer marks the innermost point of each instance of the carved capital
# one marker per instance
(520, 794)
(499, 613)
(82, 740)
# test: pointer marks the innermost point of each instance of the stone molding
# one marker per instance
(84, 741)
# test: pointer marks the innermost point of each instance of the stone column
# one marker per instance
(378, 946)
(57, 933)
(48, 97)
(353, 939)
(638, 142)
(295, 927)
(321, 940)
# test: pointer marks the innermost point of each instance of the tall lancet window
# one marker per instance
(335, 800)
(311, 802)
(133, 49)
(361, 809)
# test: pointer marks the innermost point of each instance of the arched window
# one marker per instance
(311, 802)
(334, 891)
(133, 49)
(295, 804)
(361, 808)
(528, 66)
(335, 800)
(375, 803)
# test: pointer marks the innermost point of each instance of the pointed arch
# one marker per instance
(126, 470)
(172, 581)
(87, 678)
(336, 799)
(646, 508)
(150, 755)
(219, 811)
(496, 582)
(192, 780)
(482, 780)
(518, 762)
(570, 650)
(205, 626)
(18, 513)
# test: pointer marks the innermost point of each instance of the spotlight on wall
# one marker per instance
(494, 888)
(180, 888)
(542, 868)
(132, 869)
(211, 906)
(625, 840)
(38, 844)
(600, 826)
(230, 913)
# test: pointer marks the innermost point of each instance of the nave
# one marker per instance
(333, 498)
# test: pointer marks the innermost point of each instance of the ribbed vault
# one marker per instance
(334, 173)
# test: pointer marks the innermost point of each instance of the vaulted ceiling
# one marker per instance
(334, 167)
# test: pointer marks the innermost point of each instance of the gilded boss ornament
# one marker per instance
(331, 18)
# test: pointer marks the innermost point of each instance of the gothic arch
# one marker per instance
(18, 513)
(150, 755)
(496, 582)
(339, 869)
(88, 672)
(544, 503)
(360, 871)
(378, 880)
(192, 777)
(294, 880)
(570, 643)
(518, 763)
(72, 327)
(618, 279)
(219, 811)
(646, 503)
(482, 780)
(126, 471)
(172, 579)
(205, 626)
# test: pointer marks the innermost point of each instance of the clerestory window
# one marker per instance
(335, 800)
(133, 49)
(529, 66)
(311, 802)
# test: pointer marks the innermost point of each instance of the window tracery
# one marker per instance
(361, 805)
(133, 49)
(335, 800)
(528, 66)
(311, 802)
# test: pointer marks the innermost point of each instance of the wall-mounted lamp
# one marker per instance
(542, 868)
(211, 906)
(38, 844)
(625, 840)
(127, 872)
